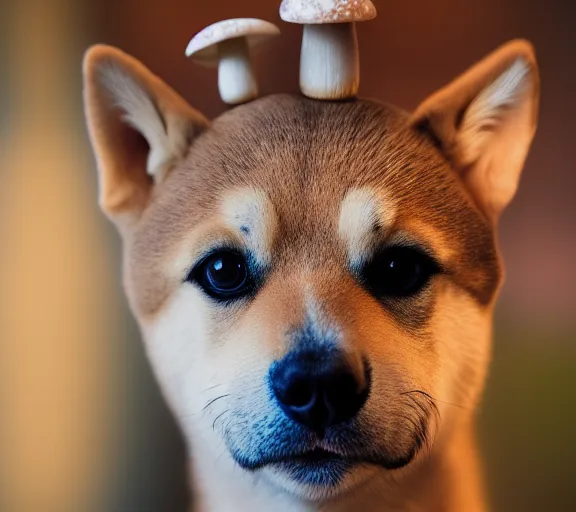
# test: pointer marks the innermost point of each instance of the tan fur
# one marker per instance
(310, 189)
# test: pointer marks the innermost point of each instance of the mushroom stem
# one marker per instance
(236, 80)
(329, 64)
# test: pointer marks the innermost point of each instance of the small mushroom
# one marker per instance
(227, 44)
(329, 64)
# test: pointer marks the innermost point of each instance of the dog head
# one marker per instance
(314, 281)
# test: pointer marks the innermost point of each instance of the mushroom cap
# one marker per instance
(318, 12)
(203, 47)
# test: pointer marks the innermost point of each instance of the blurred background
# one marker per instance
(83, 427)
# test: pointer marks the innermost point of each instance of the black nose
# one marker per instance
(318, 389)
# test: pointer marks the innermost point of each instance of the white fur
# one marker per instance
(495, 135)
(487, 111)
(362, 211)
(166, 140)
(192, 367)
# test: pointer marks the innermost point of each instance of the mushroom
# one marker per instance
(227, 44)
(329, 65)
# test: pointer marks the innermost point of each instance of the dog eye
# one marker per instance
(223, 275)
(399, 272)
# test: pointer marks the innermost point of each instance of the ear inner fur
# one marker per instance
(484, 122)
(138, 126)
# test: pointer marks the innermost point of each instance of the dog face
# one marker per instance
(314, 281)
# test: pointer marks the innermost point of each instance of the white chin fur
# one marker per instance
(315, 493)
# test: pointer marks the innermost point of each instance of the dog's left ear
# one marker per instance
(139, 128)
(484, 123)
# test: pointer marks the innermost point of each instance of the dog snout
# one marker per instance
(319, 389)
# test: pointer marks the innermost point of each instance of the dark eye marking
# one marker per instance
(397, 272)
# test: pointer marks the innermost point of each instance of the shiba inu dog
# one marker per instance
(315, 281)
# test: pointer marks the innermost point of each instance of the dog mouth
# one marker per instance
(327, 461)
(317, 467)
(319, 457)
(315, 458)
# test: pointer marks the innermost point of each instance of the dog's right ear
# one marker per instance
(139, 127)
(484, 122)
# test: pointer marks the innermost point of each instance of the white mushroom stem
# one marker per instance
(236, 80)
(329, 64)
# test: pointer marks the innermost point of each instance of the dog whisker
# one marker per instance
(411, 421)
(432, 399)
(208, 404)
(418, 407)
(190, 415)
(211, 387)
(214, 400)
(218, 417)
(423, 406)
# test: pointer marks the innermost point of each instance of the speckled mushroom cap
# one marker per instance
(204, 46)
(317, 12)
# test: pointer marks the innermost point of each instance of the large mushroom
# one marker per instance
(329, 64)
(227, 44)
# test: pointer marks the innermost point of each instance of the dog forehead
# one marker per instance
(306, 157)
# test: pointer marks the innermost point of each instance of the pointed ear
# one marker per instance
(484, 123)
(139, 127)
